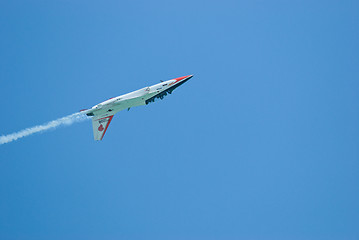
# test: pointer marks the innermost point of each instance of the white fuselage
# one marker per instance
(133, 99)
(103, 113)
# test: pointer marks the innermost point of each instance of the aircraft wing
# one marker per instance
(100, 125)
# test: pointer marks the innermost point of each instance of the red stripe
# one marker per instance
(103, 118)
(108, 123)
(181, 78)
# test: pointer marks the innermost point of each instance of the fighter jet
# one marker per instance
(103, 113)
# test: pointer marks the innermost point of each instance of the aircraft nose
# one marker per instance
(183, 78)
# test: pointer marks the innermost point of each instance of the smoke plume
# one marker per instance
(66, 121)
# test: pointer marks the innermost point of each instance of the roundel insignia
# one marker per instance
(100, 128)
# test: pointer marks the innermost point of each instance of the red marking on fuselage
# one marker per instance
(181, 78)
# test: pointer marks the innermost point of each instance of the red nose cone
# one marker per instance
(184, 77)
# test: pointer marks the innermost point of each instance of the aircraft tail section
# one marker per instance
(100, 125)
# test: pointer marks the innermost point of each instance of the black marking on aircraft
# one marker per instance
(164, 93)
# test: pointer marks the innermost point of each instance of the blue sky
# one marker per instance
(262, 143)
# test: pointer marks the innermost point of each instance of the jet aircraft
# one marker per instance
(103, 113)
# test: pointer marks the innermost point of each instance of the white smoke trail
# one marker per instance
(68, 120)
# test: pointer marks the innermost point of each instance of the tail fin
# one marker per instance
(100, 125)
